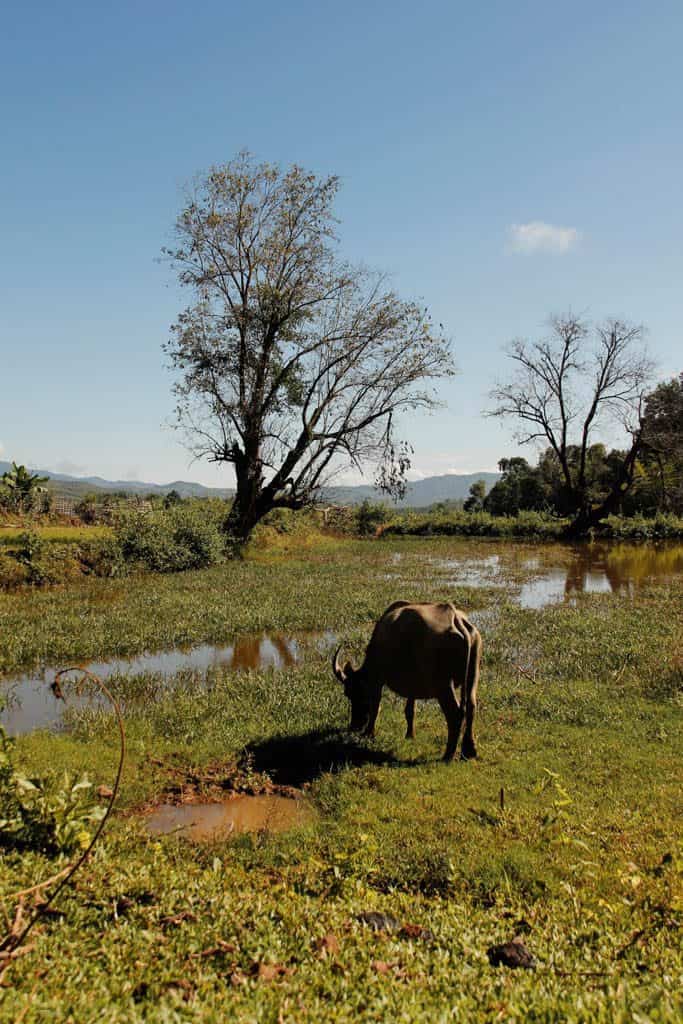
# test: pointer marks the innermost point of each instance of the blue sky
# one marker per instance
(449, 124)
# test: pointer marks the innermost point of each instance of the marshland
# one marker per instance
(566, 830)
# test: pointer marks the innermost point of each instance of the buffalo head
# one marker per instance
(355, 687)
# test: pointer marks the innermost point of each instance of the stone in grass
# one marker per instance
(511, 954)
(378, 921)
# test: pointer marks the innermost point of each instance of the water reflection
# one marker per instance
(602, 569)
(560, 572)
(31, 705)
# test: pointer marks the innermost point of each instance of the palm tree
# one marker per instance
(22, 487)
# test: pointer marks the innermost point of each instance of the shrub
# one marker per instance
(369, 516)
(44, 563)
(48, 814)
(663, 526)
(474, 524)
(12, 572)
(183, 537)
(87, 509)
(102, 557)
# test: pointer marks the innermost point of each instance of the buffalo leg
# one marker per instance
(374, 711)
(469, 748)
(410, 718)
(453, 714)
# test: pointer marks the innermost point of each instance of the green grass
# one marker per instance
(584, 856)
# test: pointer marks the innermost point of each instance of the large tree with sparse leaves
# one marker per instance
(292, 364)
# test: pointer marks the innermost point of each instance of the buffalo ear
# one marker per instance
(348, 669)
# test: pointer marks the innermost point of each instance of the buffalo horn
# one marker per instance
(336, 666)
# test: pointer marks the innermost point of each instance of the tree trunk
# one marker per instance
(249, 507)
(251, 503)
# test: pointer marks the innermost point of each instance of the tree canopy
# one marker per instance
(663, 443)
(292, 364)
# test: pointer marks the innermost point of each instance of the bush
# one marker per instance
(50, 814)
(88, 508)
(185, 536)
(660, 527)
(474, 524)
(102, 557)
(12, 573)
(370, 516)
(46, 563)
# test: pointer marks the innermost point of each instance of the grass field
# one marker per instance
(582, 854)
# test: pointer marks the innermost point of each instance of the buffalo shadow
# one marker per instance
(295, 760)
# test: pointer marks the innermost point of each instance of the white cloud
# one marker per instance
(537, 236)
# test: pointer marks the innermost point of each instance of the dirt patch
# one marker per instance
(179, 783)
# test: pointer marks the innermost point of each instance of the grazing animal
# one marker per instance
(421, 652)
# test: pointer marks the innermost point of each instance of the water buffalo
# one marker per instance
(421, 652)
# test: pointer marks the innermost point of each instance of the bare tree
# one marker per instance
(292, 363)
(567, 385)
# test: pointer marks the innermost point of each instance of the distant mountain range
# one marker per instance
(420, 493)
(77, 486)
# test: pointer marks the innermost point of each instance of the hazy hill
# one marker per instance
(420, 493)
(77, 486)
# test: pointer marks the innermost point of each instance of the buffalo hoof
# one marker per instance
(468, 753)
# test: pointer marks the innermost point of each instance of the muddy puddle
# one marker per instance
(205, 822)
(30, 703)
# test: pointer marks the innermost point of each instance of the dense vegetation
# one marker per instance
(581, 854)
(179, 535)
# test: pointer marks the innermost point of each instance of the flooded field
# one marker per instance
(561, 572)
(536, 575)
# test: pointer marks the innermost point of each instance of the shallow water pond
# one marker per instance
(202, 822)
(555, 572)
(32, 705)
